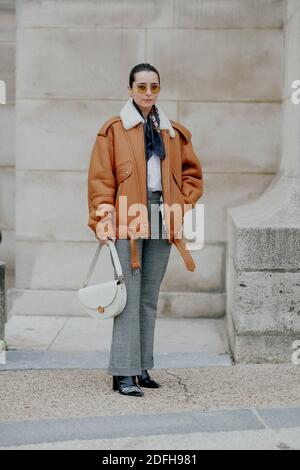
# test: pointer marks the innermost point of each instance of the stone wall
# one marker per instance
(7, 139)
(221, 64)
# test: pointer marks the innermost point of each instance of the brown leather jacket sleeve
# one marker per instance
(101, 177)
(192, 177)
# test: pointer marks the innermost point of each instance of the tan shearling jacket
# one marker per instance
(118, 168)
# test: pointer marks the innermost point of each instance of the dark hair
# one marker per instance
(140, 68)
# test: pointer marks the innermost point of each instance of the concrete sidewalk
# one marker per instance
(221, 429)
(55, 392)
(40, 342)
(253, 406)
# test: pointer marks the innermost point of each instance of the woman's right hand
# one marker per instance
(103, 235)
(104, 241)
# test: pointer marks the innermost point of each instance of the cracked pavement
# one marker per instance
(40, 394)
(56, 392)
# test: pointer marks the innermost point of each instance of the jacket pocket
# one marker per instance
(123, 171)
(177, 192)
(177, 178)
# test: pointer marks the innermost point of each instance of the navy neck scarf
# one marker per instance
(152, 135)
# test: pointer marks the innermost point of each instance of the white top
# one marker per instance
(154, 173)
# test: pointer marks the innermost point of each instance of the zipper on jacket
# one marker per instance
(146, 164)
(163, 198)
(161, 201)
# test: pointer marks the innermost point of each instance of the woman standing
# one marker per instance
(142, 163)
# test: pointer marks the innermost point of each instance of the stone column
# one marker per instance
(263, 257)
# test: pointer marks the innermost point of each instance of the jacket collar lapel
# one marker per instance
(131, 117)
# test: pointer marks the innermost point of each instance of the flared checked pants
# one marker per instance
(133, 329)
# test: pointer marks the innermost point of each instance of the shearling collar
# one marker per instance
(131, 117)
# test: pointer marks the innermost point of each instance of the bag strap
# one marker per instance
(115, 258)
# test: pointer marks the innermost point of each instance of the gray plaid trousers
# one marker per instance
(133, 329)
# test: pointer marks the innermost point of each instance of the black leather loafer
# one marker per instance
(127, 385)
(145, 380)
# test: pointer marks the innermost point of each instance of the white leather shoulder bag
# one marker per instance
(107, 299)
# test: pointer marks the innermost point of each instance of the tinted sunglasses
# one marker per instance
(141, 88)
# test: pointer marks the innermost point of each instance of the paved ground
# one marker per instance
(90, 334)
(55, 392)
